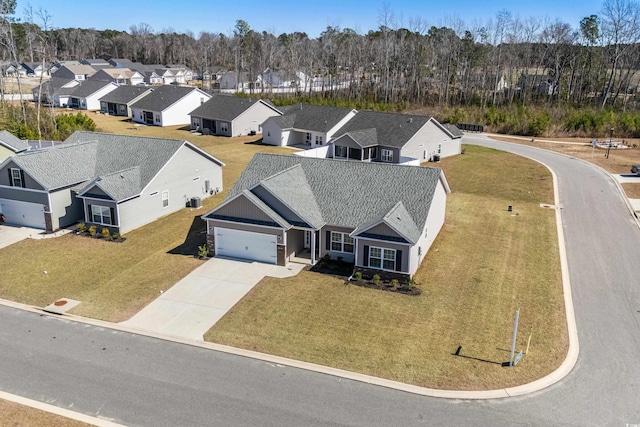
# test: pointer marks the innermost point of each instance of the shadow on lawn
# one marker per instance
(195, 237)
(457, 353)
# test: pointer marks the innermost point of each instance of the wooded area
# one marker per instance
(539, 65)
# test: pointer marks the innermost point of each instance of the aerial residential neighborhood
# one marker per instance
(345, 214)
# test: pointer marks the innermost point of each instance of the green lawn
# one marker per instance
(115, 280)
(485, 263)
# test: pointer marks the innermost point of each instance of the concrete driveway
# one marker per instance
(197, 302)
(13, 234)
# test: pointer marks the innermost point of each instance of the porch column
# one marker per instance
(313, 247)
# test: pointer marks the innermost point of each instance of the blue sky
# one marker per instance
(291, 15)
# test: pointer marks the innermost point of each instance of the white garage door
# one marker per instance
(23, 213)
(246, 245)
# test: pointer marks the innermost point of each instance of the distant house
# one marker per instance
(240, 82)
(168, 105)
(11, 69)
(55, 91)
(119, 101)
(536, 84)
(119, 76)
(212, 73)
(75, 72)
(393, 138)
(10, 145)
(231, 115)
(86, 96)
(96, 63)
(117, 182)
(36, 69)
(305, 124)
(383, 218)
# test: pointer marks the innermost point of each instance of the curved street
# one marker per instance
(137, 380)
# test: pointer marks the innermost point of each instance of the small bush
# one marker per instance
(115, 236)
(81, 227)
(395, 283)
(203, 251)
(105, 233)
(358, 276)
(376, 279)
(93, 230)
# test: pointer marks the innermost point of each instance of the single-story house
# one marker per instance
(393, 138)
(86, 96)
(10, 145)
(115, 181)
(231, 115)
(380, 217)
(120, 76)
(76, 72)
(11, 69)
(36, 69)
(305, 124)
(118, 102)
(168, 105)
(55, 91)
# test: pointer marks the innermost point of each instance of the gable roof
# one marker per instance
(163, 97)
(319, 118)
(13, 143)
(89, 87)
(79, 69)
(343, 193)
(226, 107)
(392, 129)
(125, 94)
(453, 130)
(121, 165)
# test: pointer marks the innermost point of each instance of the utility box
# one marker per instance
(196, 202)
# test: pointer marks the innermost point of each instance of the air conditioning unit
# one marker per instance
(196, 202)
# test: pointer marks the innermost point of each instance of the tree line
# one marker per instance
(506, 62)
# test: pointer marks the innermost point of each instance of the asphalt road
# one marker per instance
(137, 380)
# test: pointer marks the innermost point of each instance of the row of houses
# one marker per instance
(380, 217)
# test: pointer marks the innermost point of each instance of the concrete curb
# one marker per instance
(563, 370)
(58, 411)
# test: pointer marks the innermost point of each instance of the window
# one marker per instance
(268, 133)
(224, 127)
(439, 148)
(318, 140)
(307, 138)
(340, 151)
(387, 155)
(341, 242)
(16, 177)
(165, 199)
(101, 215)
(384, 259)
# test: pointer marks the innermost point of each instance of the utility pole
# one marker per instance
(515, 334)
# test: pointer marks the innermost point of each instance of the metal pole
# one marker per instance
(515, 334)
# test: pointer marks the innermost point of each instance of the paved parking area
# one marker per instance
(194, 304)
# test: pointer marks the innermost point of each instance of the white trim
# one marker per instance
(163, 198)
(242, 223)
(382, 155)
(342, 242)
(102, 216)
(382, 258)
(287, 227)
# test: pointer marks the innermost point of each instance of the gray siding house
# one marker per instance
(393, 138)
(118, 102)
(114, 181)
(231, 115)
(381, 217)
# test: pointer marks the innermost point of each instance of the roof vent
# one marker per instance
(410, 119)
(121, 175)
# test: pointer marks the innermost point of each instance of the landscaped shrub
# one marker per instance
(105, 233)
(81, 227)
(376, 279)
(115, 236)
(358, 276)
(203, 251)
(93, 230)
(395, 283)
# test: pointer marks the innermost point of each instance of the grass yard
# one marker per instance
(116, 280)
(485, 263)
(13, 414)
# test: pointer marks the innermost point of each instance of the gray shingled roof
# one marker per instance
(163, 97)
(453, 130)
(224, 107)
(364, 137)
(349, 194)
(125, 94)
(88, 88)
(392, 130)
(12, 142)
(87, 156)
(318, 118)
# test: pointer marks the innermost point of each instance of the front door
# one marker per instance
(307, 239)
